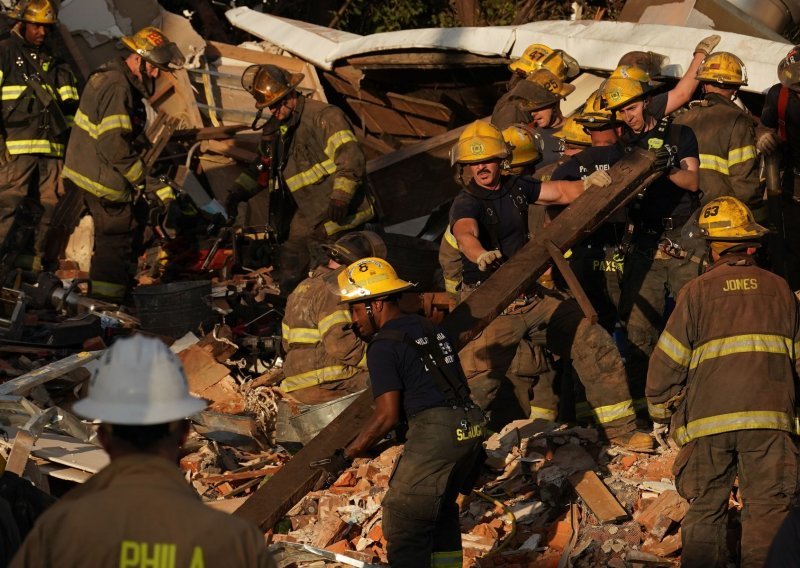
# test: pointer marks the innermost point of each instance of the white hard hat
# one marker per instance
(138, 381)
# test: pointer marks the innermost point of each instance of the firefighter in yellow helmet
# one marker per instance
(144, 513)
(311, 161)
(103, 167)
(40, 95)
(659, 255)
(725, 133)
(728, 387)
(416, 379)
(539, 56)
(489, 220)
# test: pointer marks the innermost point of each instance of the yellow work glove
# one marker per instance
(707, 45)
(489, 259)
(767, 143)
(598, 178)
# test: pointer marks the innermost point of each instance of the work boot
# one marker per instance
(635, 441)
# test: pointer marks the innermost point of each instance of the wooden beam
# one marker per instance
(597, 497)
(23, 384)
(634, 172)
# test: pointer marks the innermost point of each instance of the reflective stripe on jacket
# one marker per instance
(25, 119)
(728, 358)
(101, 157)
(316, 335)
(727, 145)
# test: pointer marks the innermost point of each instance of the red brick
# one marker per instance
(339, 546)
(375, 534)
(628, 461)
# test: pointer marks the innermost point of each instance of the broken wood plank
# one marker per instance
(211, 479)
(665, 510)
(20, 452)
(383, 120)
(572, 281)
(202, 370)
(597, 497)
(283, 490)
(22, 385)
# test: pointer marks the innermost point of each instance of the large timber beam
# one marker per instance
(631, 175)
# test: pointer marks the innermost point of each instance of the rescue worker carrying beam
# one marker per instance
(725, 133)
(415, 378)
(535, 102)
(489, 219)
(142, 510)
(728, 386)
(325, 359)
(781, 115)
(39, 99)
(310, 159)
(104, 159)
(656, 256)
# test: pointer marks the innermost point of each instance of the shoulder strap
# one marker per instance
(783, 102)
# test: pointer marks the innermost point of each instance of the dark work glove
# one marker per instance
(337, 211)
(665, 158)
(333, 466)
(235, 197)
(171, 218)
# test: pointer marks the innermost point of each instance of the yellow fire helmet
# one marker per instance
(594, 116)
(551, 82)
(723, 68)
(34, 12)
(573, 133)
(789, 69)
(538, 56)
(479, 142)
(155, 48)
(368, 279)
(626, 84)
(525, 145)
(269, 83)
(728, 219)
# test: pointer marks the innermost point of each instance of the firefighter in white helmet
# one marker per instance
(139, 510)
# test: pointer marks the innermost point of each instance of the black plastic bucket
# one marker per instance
(173, 309)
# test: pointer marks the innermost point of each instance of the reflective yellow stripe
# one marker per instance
(345, 185)
(339, 317)
(305, 335)
(95, 188)
(753, 420)
(247, 183)
(34, 147)
(450, 559)
(450, 238)
(317, 376)
(359, 218)
(712, 162)
(336, 140)
(165, 193)
(451, 286)
(609, 413)
(12, 92)
(658, 411)
(674, 349)
(108, 289)
(311, 176)
(107, 124)
(542, 413)
(135, 173)
(68, 92)
(739, 155)
(747, 343)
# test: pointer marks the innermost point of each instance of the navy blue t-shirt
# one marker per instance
(397, 366)
(512, 227)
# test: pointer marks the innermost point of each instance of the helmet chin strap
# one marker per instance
(371, 316)
(148, 82)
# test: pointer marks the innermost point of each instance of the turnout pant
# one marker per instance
(646, 281)
(441, 457)
(560, 325)
(31, 177)
(767, 466)
(112, 261)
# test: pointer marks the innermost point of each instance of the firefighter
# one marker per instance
(658, 257)
(142, 510)
(489, 218)
(539, 56)
(104, 162)
(39, 100)
(781, 117)
(535, 102)
(325, 359)
(725, 133)
(416, 379)
(310, 159)
(727, 385)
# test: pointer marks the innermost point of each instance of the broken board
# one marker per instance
(597, 497)
(23, 384)
(631, 174)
